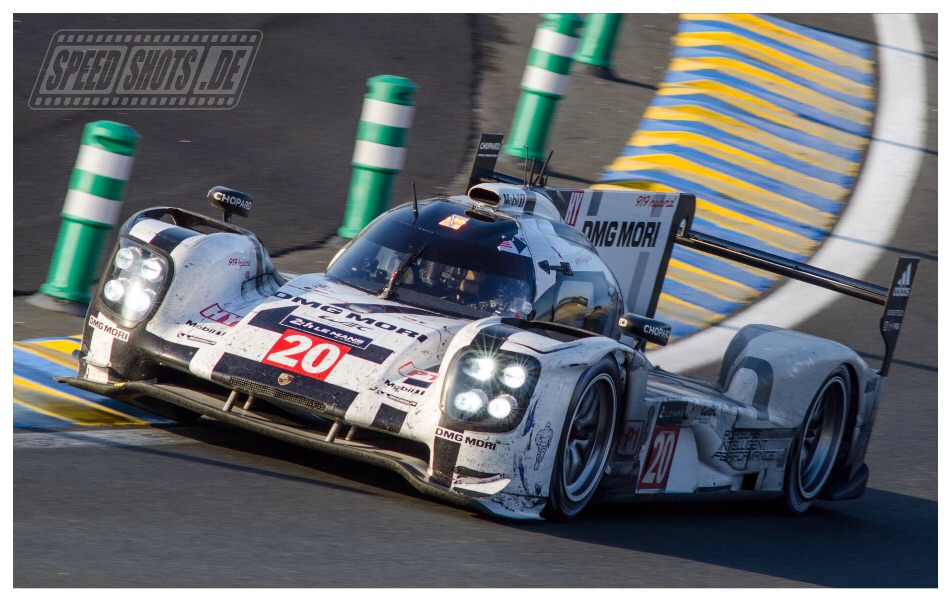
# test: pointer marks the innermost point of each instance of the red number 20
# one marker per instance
(662, 449)
(304, 354)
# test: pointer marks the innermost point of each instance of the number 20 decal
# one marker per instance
(305, 354)
(660, 458)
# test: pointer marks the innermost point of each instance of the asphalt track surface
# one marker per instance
(210, 507)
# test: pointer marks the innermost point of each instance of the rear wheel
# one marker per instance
(816, 447)
(585, 441)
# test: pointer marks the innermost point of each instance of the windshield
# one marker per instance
(460, 273)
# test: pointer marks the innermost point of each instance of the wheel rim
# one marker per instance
(589, 435)
(821, 437)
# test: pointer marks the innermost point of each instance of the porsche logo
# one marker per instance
(285, 378)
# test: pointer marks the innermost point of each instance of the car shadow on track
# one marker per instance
(883, 539)
(880, 540)
(369, 477)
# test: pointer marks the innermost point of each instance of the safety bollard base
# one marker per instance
(597, 40)
(41, 300)
(605, 73)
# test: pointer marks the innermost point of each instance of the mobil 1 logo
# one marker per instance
(145, 69)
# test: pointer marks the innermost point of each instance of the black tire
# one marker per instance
(815, 449)
(585, 442)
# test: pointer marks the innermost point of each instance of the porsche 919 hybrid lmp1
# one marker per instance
(490, 348)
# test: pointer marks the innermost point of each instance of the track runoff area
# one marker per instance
(766, 122)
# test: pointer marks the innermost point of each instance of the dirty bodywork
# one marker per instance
(489, 347)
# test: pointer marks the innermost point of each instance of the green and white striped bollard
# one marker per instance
(597, 43)
(544, 82)
(91, 209)
(380, 151)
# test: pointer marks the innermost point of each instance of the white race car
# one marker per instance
(488, 347)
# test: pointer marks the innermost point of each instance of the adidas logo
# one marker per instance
(902, 287)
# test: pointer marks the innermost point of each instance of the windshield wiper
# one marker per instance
(387, 292)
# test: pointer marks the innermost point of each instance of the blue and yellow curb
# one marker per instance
(766, 122)
(40, 402)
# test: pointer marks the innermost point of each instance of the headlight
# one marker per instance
(478, 367)
(513, 376)
(113, 290)
(152, 269)
(470, 401)
(138, 302)
(126, 257)
(502, 406)
(489, 389)
(134, 281)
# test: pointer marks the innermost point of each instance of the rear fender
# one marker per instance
(777, 372)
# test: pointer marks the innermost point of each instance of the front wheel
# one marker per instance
(585, 441)
(816, 447)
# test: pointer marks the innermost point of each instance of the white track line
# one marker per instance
(872, 214)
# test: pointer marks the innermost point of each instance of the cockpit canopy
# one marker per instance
(449, 259)
(456, 259)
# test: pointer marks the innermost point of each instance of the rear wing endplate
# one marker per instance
(896, 305)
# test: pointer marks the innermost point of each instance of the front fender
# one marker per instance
(512, 469)
(212, 280)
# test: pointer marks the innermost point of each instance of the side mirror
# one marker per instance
(231, 202)
(642, 328)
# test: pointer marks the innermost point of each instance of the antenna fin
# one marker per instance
(415, 204)
(525, 180)
(542, 180)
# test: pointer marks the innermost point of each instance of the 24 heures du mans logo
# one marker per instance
(145, 69)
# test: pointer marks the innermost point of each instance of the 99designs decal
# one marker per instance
(305, 354)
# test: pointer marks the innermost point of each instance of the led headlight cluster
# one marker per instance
(133, 281)
(489, 390)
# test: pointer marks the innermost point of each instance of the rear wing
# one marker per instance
(893, 299)
(634, 233)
